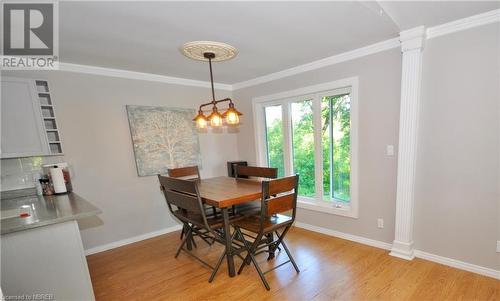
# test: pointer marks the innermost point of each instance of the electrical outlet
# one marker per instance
(380, 223)
(498, 246)
(390, 150)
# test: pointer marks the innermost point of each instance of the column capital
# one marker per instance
(412, 39)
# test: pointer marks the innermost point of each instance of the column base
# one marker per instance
(402, 250)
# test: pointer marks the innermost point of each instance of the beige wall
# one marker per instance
(96, 140)
(457, 193)
(379, 93)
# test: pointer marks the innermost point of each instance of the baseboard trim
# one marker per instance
(130, 240)
(347, 236)
(458, 264)
(417, 253)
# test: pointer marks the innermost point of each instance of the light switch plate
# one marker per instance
(390, 150)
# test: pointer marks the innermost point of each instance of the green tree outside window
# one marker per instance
(335, 142)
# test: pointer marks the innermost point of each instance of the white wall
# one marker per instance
(457, 195)
(379, 94)
(96, 140)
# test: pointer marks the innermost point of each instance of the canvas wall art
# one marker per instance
(163, 138)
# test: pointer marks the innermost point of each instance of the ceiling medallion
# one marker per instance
(213, 52)
(196, 50)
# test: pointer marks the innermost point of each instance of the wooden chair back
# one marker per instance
(280, 195)
(254, 171)
(188, 172)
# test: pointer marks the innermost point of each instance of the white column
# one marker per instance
(411, 46)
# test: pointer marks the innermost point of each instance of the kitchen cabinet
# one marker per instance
(28, 121)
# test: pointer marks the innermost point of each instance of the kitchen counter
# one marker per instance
(43, 246)
(42, 210)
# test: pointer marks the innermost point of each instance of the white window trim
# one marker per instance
(313, 92)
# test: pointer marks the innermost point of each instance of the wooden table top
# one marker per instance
(224, 192)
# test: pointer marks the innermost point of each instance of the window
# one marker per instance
(274, 138)
(313, 132)
(336, 147)
(303, 145)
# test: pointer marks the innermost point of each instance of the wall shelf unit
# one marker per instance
(49, 117)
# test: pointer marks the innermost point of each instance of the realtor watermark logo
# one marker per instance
(30, 36)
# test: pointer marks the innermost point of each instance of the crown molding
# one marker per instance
(68, 67)
(339, 58)
(463, 24)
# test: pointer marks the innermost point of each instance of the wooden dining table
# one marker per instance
(223, 193)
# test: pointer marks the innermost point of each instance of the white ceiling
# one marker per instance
(271, 36)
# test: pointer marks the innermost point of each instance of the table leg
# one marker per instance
(229, 250)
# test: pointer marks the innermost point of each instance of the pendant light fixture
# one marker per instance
(213, 52)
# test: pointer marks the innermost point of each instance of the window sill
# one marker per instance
(326, 207)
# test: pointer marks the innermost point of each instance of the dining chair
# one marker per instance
(278, 196)
(188, 173)
(252, 208)
(184, 202)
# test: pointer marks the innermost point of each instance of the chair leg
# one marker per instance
(250, 251)
(246, 248)
(277, 247)
(216, 268)
(282, 242)
(290, 256)
(189, 244)
(184, 240)
(219, 262)
(261, 275)
(182, 232)
(270, 239)
(192, 240)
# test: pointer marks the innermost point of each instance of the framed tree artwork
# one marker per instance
(162, 138)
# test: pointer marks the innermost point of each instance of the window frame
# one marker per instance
(315, 93)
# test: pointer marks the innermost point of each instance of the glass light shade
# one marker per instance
(232, 117)
(201, 123)
(200, 120)
(215, 118)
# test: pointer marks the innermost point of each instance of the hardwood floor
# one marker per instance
(331, 269)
